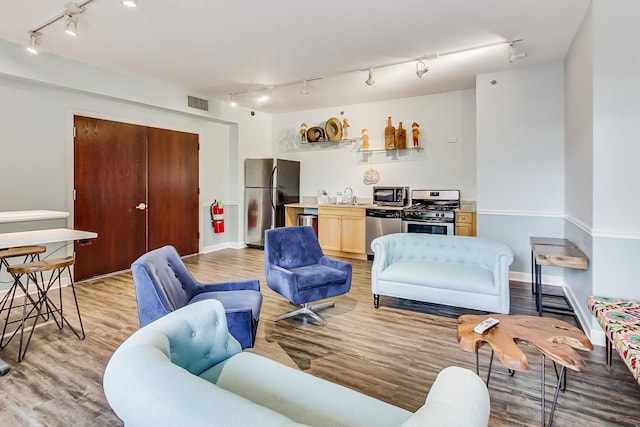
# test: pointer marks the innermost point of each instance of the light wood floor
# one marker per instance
(393, 353)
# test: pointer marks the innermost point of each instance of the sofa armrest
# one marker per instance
(457, 398)
(238, 285)
(144, 388)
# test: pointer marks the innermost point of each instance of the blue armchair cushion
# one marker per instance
(313, 276)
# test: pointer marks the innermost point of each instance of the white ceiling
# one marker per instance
(216, 47)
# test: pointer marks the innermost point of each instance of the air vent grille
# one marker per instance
(199, 103)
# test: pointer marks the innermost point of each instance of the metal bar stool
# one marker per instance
(30, 254)
(44, 305)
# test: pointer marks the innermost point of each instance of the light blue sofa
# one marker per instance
(459, 271)
(185, 369)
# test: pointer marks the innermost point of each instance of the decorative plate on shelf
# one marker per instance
(371, 177)
(333, 127)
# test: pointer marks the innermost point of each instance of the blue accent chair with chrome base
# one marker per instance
(163, 284)
(296, 268)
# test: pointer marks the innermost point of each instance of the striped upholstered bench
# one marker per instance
(620, 319)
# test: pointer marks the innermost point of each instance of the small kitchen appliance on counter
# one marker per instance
(391, 196)
(431, 212)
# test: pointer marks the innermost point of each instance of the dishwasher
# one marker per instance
(381, 221)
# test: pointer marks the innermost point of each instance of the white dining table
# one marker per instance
(42, 237)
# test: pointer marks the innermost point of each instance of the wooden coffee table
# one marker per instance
(554, 339)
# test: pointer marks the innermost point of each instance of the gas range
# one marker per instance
(432, 206)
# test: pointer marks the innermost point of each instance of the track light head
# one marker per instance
(34, 42)
(370, 80)
(421, 69)
(72, 25)
(72, 10)
(514, 55)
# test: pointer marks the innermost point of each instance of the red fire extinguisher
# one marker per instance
(217, 217)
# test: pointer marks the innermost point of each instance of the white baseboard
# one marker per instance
(221, 246)
(519, 276)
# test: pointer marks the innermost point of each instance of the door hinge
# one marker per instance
(74, 131)
(74, 194)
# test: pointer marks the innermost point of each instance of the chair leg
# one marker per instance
(308, 310)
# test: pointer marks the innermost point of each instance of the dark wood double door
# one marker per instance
(137, 187)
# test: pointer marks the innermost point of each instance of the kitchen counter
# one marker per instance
(342, 205)
(467, 206)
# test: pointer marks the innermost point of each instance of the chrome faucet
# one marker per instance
(348, 196)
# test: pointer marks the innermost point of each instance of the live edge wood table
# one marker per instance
(554, 339)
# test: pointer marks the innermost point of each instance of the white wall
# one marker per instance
(579, 161)
(616, 109)
(39, 96)
(441, 164)
(520, 158)
(616, 112)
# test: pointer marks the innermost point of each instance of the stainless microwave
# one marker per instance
(391, 196)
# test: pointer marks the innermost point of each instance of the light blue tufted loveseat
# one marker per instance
(460, 271)
(185, 369)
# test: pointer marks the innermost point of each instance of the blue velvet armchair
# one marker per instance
(296, 268)
(163, 284)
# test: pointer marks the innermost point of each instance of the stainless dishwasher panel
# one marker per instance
(380, 222)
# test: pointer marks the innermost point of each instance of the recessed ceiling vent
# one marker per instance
(199, 103)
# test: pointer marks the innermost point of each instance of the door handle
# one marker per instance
(142, 206)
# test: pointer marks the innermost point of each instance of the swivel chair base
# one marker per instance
(308, 310)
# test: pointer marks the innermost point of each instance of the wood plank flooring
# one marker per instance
(393, 353)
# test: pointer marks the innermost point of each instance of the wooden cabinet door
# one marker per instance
(352, 233)
(329, 232)
(465, 223)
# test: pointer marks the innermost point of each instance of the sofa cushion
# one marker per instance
(303, 397)
(462, 277)
(620, 319)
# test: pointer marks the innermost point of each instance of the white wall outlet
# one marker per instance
(453, 139)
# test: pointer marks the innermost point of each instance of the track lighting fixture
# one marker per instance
(421, 69)
(514, 55)
(34, 43)
(129, 3)
(304, 90)
(70, 13)
(370, 80)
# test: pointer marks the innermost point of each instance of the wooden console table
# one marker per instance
(552, 337)
(566, 256)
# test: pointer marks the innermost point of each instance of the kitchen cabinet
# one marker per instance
(341, 231)
(291, 215)
(465, 223)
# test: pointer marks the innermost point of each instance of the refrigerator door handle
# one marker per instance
(273, 173)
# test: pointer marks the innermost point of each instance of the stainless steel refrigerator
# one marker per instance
(268, 185)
